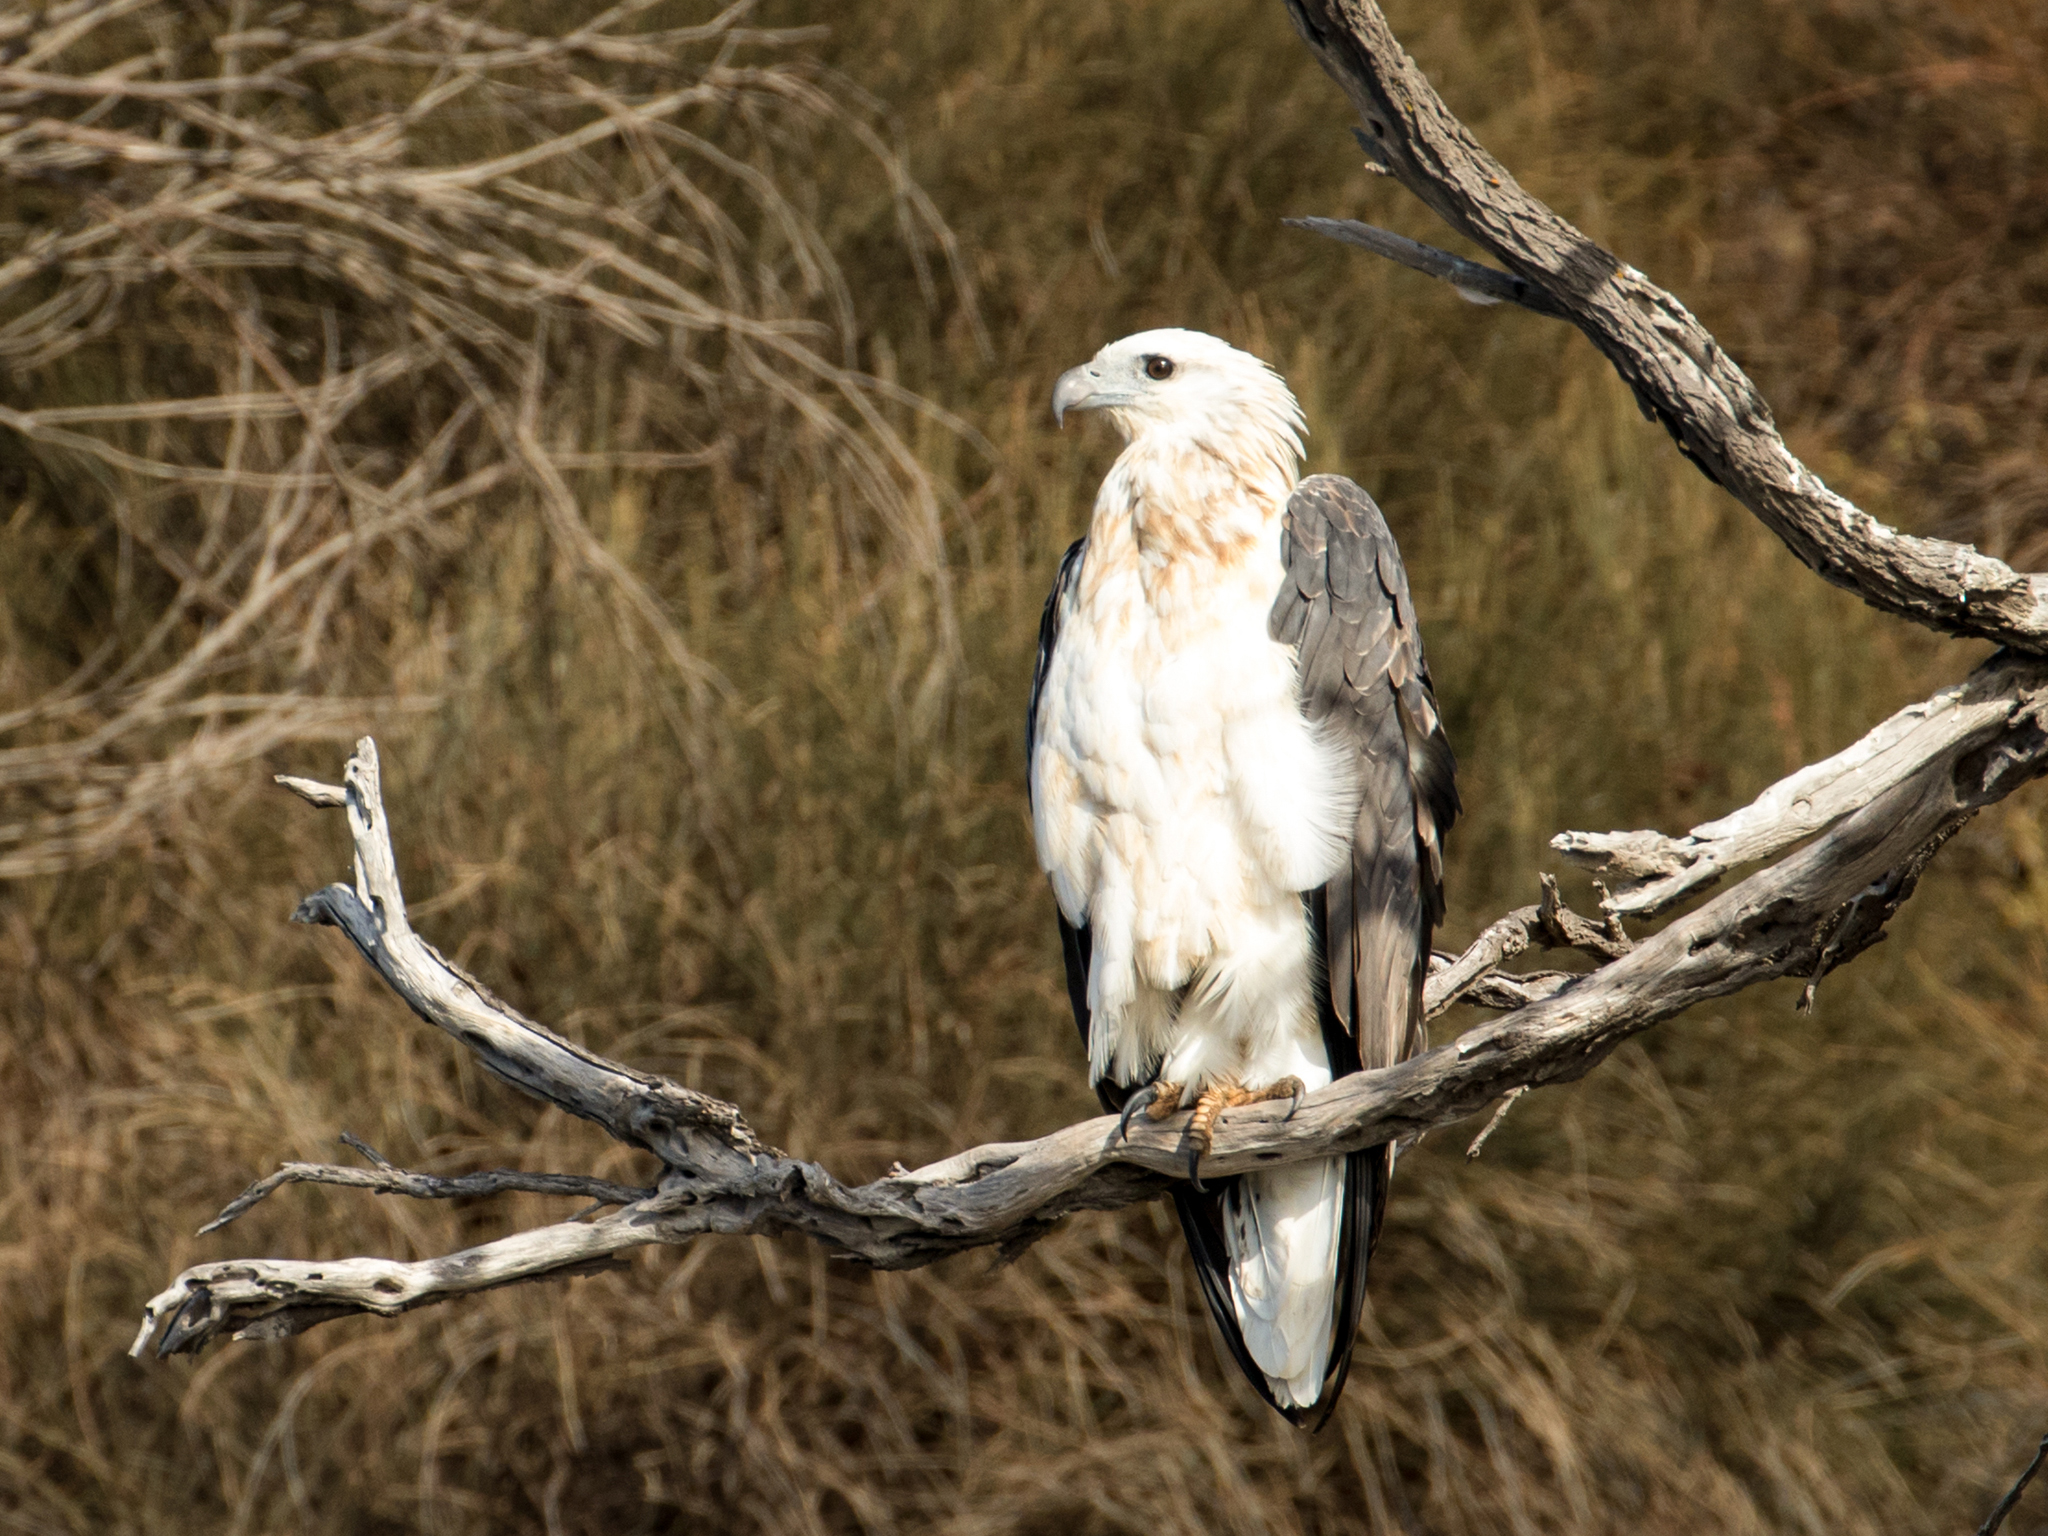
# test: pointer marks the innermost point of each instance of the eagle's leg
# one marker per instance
(1158, 1100)
(1218, 1097)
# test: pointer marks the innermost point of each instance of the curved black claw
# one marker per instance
(1139, 1099)
(1294, 1099)
(1194, 1160)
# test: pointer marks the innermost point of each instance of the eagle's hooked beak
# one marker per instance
(1075, 391)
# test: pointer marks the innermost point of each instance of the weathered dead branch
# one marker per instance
(687, 1130)
(1650, 872)
(1679, 373)
(384, 1179)
(1815, 910)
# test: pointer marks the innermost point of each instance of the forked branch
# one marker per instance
(1813, 911)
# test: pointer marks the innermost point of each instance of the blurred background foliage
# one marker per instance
(638, 419)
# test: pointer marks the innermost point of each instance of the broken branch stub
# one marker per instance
(1649, 872)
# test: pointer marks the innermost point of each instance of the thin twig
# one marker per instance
(1480, 284)
(1507, 1103)
(384, 1179)
(2005, 1507)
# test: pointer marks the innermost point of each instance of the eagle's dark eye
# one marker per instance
(1158, 367)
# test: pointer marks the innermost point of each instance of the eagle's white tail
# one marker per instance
(1281, 1230)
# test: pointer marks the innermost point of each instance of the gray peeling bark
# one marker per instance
(1680, 375)
(1870, 818)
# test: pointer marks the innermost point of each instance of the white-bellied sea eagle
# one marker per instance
(1239, 788)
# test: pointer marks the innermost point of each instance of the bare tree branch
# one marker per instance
(1452, 977)
(1500, 1113)
(1504, 992)
(1815, 910)
(384, 1179)
(1476, 283)
(1679, 373)
(275, 1298)
(2006, 1505)
(687, 1130)
(1475, 976)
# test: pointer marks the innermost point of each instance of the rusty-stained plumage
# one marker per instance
(1240, 787)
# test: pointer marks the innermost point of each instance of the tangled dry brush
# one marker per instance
(338, 276)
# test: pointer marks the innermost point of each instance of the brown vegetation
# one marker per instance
(697, 643)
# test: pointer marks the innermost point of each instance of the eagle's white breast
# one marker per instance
(1182, 803)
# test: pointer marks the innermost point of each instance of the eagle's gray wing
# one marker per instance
(1074, 941)
(1344, 603)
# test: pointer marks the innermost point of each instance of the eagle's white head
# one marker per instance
(1186, 385)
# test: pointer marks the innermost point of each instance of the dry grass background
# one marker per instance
(646, 434)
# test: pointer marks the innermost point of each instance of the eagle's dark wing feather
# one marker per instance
(1344, 603)
(1074, 942)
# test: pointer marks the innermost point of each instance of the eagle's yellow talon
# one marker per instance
(1217, 1098)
